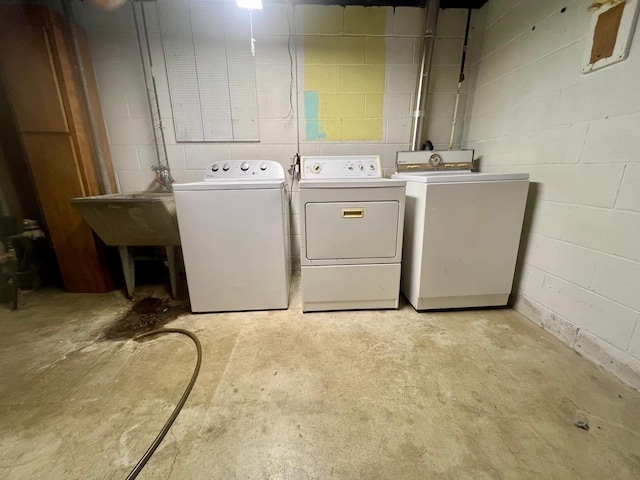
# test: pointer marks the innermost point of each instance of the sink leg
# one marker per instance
(171, 263)
(128, 267)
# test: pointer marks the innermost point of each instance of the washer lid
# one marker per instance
(459, 177)
(239, 175)
(355, 183)
(229, 185)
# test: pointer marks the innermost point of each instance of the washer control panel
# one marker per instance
(248, 169)
(340, 167)
(434, 160)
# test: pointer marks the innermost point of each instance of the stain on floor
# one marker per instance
(143, 316)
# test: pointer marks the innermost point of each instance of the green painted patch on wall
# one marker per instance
(311, 113)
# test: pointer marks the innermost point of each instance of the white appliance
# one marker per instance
(462, 231)
(234, 230)
(351, 234)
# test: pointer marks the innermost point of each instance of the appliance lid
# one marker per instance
(229, 185)
(239, 175)
(354, 183)
(460, 177)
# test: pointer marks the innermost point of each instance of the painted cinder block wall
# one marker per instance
(116, 60)
(578, 136)
(343, 38)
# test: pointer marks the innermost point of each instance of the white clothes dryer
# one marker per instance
(234, 230)
(462, 231)
(351, 234)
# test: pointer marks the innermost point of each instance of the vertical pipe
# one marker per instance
(162, 169)
(460, 79)
(152, 94)
(417, 130)
(67, 8)
(295, 56)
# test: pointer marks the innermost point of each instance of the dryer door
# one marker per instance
(345, 230)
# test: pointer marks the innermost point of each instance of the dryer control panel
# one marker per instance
(244, 169)
(340, 167)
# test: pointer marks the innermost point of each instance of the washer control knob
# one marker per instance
(316, 167)
(350, 167)
(372, 167)
(263, 166)
(435, 160)
(361, 167)
(225, 167)
(215, 167)
(244, 166)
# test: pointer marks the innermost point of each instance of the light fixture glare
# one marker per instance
(250, 4)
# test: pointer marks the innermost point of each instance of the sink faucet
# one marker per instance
(163, 177)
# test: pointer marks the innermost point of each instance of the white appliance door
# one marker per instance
(346, 230)
(234, 249)
(471, 237)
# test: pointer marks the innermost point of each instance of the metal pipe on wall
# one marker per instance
(162, 169)
(422, 87)
(460, 79)
(105, 182)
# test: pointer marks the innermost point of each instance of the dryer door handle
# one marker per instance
(352, 212)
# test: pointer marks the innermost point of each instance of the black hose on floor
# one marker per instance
(165, 428)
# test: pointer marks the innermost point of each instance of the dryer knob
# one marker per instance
(225, 167)
(263, 166)
(215, 167)
(244, 166)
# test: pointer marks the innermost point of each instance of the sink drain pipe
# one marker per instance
(422, 87)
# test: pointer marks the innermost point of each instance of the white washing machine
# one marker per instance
(351, 234)
(462, 231)
(234, 230)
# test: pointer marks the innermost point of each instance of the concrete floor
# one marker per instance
(282, 395)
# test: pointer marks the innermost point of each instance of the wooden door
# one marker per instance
(55, 171)
(67, 65)
(41, 75)
(29, 73)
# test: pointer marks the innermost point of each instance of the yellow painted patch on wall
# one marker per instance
(344, 76)
(361, 129)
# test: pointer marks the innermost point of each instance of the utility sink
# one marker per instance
(131, 219)
(139, 219)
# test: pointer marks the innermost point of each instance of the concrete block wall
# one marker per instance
(530, 109)
(119, 72)
(116, 60)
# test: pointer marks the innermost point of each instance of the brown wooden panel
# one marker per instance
(73, 98)
(29, 72)
(54, 166)
(69, 77)
(606, 33)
